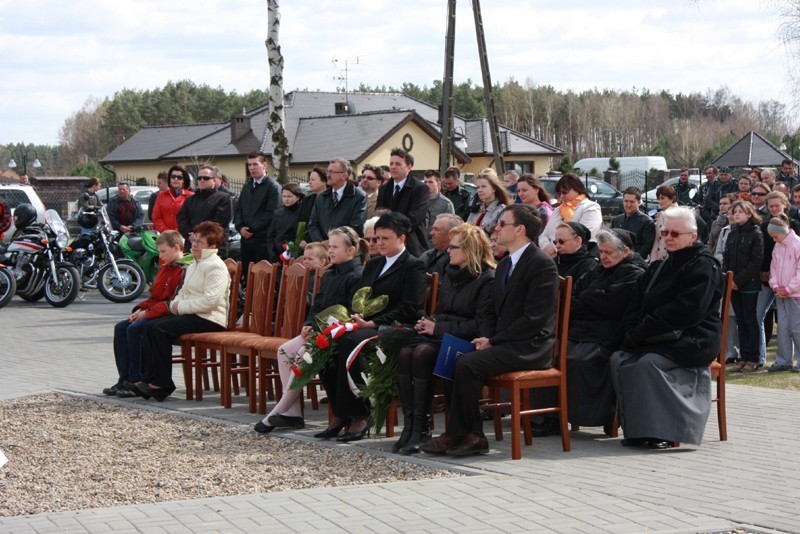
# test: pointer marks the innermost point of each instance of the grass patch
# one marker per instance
(761, 378)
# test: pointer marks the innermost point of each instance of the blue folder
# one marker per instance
(452, 349)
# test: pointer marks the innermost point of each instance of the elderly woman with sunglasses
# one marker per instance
(672, 333)
(574, 206)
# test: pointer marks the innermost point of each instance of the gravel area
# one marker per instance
(68, 453)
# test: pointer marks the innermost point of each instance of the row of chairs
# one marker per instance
(250, 351)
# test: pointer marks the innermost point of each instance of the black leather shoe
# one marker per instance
(472, 443)
(356, 436)
(142, 390)
(124, 393)
(550, 427)
(261, 428)
(112, 390)
(659, 444)
(634, 442)
(286, 421)
(333, 431)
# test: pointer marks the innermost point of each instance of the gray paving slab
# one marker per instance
(598, 487)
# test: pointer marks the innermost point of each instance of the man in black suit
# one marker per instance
(525, 291)
(409, 196)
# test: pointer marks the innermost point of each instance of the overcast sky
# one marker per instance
(56, 54)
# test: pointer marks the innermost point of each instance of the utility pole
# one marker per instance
(446, 142)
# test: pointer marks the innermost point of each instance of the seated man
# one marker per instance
(524, 293)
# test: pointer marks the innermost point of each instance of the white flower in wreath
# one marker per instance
(381, 355)
(364, 377)
(307, 358)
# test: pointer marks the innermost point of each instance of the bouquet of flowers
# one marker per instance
(292, 249)
(321, 347)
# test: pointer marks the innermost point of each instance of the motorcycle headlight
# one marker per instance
(62, 240)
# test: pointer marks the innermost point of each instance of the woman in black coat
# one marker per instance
(672, 333)
(317, 183)
(401, 278)
(574, 258)
(462, 310)
(744, 251)
(599, 301)
(284, 224)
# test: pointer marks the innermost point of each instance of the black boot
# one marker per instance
(423, 395)
(407, 401)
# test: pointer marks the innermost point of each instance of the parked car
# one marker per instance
(140, 192)
(14, 195)
(609, 198)
(649, 199)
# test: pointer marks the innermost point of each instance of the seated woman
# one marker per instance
(347, 254)
(599, 301)
(200, 306)
(574, 206)
(401, 278)
(462, 308)
(128, 333)
(673, 329)
(573, 258)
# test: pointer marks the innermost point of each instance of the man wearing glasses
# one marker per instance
(371, 181)
(207, 204)
(341, 204)
(253, 214)
(525, 293)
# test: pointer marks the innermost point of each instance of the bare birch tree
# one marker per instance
(276, 124)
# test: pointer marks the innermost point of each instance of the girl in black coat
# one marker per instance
(348, 254)
(463, 309)
(744, 251)
(284, 225)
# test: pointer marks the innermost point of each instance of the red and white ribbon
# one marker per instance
(350, 359)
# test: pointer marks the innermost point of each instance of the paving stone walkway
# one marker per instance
(751, 481)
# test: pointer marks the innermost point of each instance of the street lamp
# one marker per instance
(22, 155)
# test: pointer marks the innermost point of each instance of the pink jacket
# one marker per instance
(785, 267)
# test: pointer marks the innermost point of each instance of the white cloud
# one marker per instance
(65, 52)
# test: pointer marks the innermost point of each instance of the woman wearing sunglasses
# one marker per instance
(672, 333)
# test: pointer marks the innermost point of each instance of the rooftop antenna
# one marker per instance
(344, 72)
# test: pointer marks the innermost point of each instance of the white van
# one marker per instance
(626, 164)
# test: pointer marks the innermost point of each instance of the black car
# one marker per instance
(609, 198)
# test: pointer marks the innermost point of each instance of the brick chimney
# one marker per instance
(240, 126)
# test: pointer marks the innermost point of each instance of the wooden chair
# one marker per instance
(185, 357)
(519, 384)
(718, 366)
(431, 296)
(292, 305)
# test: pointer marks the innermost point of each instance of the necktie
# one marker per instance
(396, 190)
(335, 198)
(508, 274)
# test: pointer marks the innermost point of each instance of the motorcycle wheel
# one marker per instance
(8, 286)
(63, 291)
(127, 287)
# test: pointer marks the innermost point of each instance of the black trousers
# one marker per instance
(472, 370)
(343, 402)
(744, 306)
(157, 345)
(254, 250)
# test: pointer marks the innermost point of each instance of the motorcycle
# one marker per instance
(139, 245)
(33, 254)
(8, 285)
(94, 255)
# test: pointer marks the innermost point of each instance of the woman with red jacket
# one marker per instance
(128, 333)
(169, 201)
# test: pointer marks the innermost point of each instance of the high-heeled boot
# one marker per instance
(423, 396)
(406, 390)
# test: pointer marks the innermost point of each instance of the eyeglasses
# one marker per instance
(758, 194)
(562, 241)
(365, 177)
(176, 176)
(673, 234)
(453, 247)
(204, 178)
(503, 224)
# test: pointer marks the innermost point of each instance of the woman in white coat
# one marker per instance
(574, 206)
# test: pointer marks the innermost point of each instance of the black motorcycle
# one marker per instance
(95, 253)
(8, 285)
(33, 257)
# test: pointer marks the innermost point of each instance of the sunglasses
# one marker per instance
(758, 194)
(204, 178)
(176, 176)
(562, 241)
(673, 233)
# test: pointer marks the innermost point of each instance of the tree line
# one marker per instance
(687, 129)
